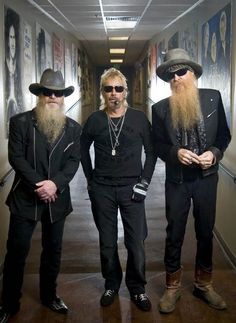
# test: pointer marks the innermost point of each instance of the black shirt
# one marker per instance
(126, 164)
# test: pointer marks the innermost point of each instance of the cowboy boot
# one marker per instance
(204, 290)
(172, 292)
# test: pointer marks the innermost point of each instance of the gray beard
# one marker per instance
(50, 123)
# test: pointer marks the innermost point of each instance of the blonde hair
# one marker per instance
(112, 73)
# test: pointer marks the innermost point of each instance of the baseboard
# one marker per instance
(1, 271)
(229, 255)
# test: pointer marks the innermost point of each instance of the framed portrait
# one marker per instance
(13, 84)
(215, 55)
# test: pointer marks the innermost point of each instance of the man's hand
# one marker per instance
(206, 160)
(46, 191)
(187, 157)
(140, 191)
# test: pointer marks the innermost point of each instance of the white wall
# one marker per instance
(226, 202)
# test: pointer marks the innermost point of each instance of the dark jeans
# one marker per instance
(202, 192)
(18, 245)
(106, 199)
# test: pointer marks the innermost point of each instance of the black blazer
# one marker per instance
(217, 132)
(34, 160)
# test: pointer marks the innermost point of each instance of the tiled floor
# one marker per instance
(81, 284)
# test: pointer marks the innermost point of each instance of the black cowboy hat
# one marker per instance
(52, 80)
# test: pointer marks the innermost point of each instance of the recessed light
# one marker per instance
(120, 22)
(117, 50)
(118, 38)
(116, 60)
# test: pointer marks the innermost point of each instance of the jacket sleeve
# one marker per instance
(65, 175)
(150, 156)
(223, 136)
(16, 152)
(86, 142)
(164, 148)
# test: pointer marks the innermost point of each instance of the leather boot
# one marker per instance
(172, 292)
(204, 290)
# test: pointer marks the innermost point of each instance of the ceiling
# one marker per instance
(85, 19)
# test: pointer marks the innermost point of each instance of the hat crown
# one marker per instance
(52, 79)
(176, 54)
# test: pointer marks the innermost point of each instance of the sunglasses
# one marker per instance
(109, 88)
(180, 72)
(48, 92)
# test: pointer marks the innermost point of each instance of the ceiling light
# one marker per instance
(116, 60)
(121, 22)
(117, 50)
(118, 38)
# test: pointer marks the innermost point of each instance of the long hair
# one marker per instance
(12, 80)
(12, 19)
(112, 73)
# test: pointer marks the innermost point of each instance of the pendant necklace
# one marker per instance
(116, 125)
(113, 128)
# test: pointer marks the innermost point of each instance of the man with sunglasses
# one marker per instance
(191, 135)
(44, 151)
(119, 180)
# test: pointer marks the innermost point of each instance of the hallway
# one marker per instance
(81, 284)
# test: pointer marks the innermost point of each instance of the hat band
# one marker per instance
(177, 67)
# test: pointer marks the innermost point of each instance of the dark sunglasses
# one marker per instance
(180, 72)
(48, 92)
(109, 88)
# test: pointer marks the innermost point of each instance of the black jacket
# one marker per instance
(217, 133)
(34, 160)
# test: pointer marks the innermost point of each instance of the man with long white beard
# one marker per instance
(191, 135)
(44, 151)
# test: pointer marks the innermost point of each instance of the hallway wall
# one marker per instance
(226, 202)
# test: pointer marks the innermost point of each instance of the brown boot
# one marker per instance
(172, 292)
(204, 290)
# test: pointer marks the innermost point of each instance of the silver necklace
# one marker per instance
(113, 130)
(116, 125)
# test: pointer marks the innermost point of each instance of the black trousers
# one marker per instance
(106, 199)
(18, 246)
(202, 193)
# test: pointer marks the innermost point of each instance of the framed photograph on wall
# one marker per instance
(188, 41)
(27, 65)
(216, 58)
(43, 50)
(13, 84)
(58, 54)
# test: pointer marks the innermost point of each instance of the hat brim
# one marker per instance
(37, 89)
(163, 68)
